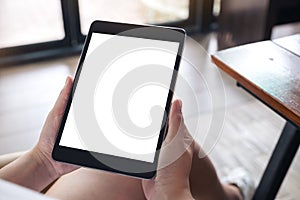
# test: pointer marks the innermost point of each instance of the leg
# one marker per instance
(95, 184)
(279, 163)
(205, 183)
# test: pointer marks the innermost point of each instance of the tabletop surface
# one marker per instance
(268, 69)
(291, 43)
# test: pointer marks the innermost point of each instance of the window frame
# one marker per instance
(73, 41)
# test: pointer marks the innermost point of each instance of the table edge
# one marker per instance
(269, 100)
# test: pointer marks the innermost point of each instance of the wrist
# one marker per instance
(29, 170)
(44, 164)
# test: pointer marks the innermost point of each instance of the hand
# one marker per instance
(44, 147)
(172, 180)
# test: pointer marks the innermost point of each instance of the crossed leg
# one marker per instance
(95, 184)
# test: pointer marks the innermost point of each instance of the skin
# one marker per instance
(188, 177)
(172, 181)
(36, 169)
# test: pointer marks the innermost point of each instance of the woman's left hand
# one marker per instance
(44, 147)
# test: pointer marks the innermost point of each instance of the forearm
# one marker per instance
(29, 171)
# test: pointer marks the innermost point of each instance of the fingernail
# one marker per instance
(179, 105)
(67, 81)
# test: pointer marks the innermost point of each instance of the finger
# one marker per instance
(61, 102)
(175, 119)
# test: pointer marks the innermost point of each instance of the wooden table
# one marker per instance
(270, 70)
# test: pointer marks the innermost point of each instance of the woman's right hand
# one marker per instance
(172, 179)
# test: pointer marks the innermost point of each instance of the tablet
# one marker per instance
(117, 112)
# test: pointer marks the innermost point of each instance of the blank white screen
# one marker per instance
(139, 104)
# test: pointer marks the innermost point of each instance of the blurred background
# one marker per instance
(40, 44)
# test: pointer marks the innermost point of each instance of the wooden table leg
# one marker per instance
(279, 163)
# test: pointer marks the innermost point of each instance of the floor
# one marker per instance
(233, 127)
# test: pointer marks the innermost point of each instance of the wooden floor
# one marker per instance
(248, 130)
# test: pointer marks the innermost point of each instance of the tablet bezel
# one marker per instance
(90, 159)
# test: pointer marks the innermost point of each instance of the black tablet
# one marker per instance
(116, 115)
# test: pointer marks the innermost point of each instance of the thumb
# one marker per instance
(62, 99)
(178, 140)
(175, 119)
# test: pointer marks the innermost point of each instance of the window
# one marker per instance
(40, 29)
(133, 11)
(41, 21)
